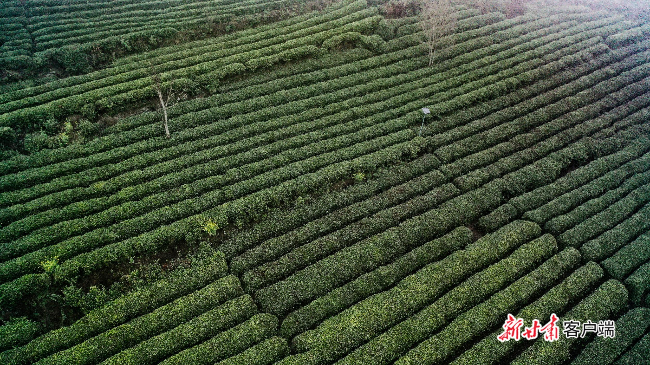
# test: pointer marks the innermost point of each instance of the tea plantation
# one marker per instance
(305, 210)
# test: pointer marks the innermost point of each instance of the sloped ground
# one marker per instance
(336, 232)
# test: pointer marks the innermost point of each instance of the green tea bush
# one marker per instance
(264, 353)
(190, 333)
(488, 314)
(628, 258)
(638, 284)
(373, 282)
(611, 241)
(17, 332)
(629, 328)
(228, 343)
(607, 301)
(341, 333)
(556, 300)
(123, 309)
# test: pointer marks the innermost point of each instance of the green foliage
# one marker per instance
(614, 239)
(88, 129)
(280, 222)
(591, 225)
(556, 300)
(35, 142)
(357, 324)
(192, 332)
(373, 282)
(378, 267)
(265, 353)
(322, 245)
(629, 328)
(628, 258)
(228, 343)
(604, 303)
(368, 254)
(488, 314)
(498, 218)
(50, 265)
(210, 227)
(111, 92)
(123, 309)
(609, 179)
(637, 354)
(7, 137)
(17, 332)
(638, 284)
(76, 298)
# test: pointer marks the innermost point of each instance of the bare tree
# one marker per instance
(438, 20)
(158, 87)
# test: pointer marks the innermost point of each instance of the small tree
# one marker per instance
(437, 20)
(163, 103)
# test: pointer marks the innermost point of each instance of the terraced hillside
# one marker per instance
(78, 36)
(301, 214)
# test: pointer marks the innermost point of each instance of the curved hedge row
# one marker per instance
(595, 219)
(153, 349)
(604, 303)
(147, 131)
(440, 347)
(373, 282)
(280, 258)
(612, 240)
(34, 261)
(586, 182)
(17, 332)
(228, 343)
(65, 41)
(637, 354)
(628, 258)
(354, 261)
(281, 96)
(264, 353)
(24, 115)
(537, 127)
(123, 309)
(280, 222)
(357, 324)
(561, 220)
(629, 327)
(638, 284)
(178, 52)
(556, 300)
(160, 320)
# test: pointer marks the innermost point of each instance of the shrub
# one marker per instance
(611, 241)
(556, 300)
(351, 262)
(629, 328)
(340, 333)
(373, 282)
(123, 309)
(628, 258)
(228, 343)
(190, 333)
(498, 218)
(264, 353)
(488, 314)
(638, 284)
(607, 301)
(17, 332)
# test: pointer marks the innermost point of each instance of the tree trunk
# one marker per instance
(164, 108)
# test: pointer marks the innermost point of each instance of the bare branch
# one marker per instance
(155, 77)
(437, 20)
